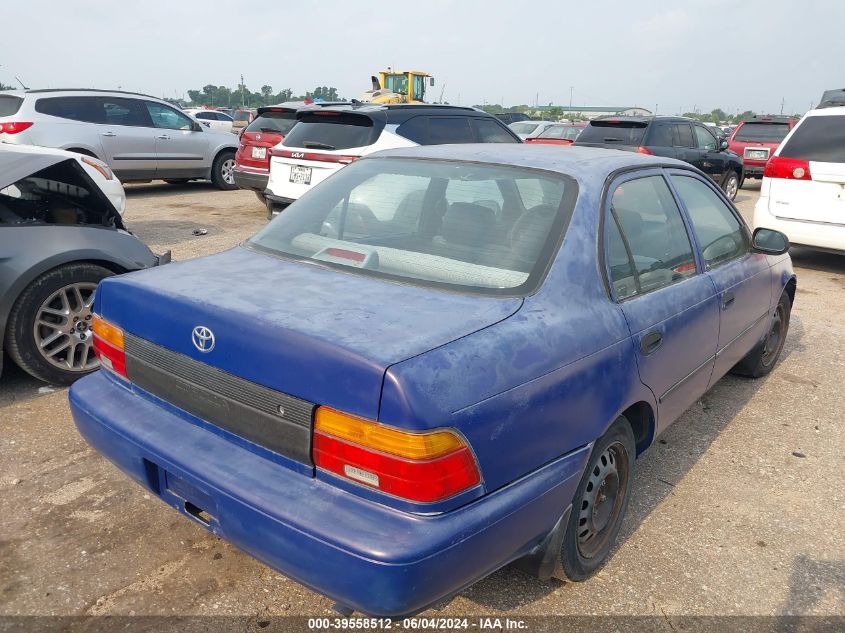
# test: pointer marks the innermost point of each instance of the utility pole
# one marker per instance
(243, 103)
(571, 88)
(781, 104)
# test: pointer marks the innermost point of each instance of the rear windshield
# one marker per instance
(524, 127)
(476, 228)
(9, 105)
(273, 123)
(615, 132)
(567, 132)
(818, 138)
(333, 130)
(762, 132)
(242, 116)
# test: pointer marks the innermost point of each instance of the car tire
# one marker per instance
(223, 171)
(176, 181)
(593, 524)
(764, 356)
(69, 289)
(731, 185)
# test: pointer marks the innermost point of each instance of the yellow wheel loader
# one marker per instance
(398, 86)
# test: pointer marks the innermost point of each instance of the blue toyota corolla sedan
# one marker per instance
(439, 361)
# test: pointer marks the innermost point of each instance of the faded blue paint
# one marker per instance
(530, 382)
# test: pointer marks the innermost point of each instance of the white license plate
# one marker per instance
(757, 154)
(259, 152)
(300, 175)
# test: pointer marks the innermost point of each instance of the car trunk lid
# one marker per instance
(252, 343)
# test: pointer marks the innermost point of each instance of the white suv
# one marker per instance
(139, 137)
(803, 191)
(325, 139)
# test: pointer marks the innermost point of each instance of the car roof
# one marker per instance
(401, 112)
(573, 161)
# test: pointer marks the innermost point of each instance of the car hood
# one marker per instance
(323, 335)
(16, 165)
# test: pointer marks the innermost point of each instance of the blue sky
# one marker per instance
(674, 56)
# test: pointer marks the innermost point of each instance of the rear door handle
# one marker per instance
(727, 299)
(164, 137)
(650, 342)
(109, 134)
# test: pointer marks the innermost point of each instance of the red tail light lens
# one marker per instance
(644, 150)
(788, 168)
(108, 345)
(422, 467)
(322, 158)
(13, 127)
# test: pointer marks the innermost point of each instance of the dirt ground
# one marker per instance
(739, 509)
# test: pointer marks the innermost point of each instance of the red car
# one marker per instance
(559, 134)
(757, 139)
(252, 161)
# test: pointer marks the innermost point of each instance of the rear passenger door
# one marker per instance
(686, 147)
(670, 305)
(127, 137)
(742, 278)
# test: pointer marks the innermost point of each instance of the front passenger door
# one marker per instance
(182, 151)
(712, 160)
(741, 277)
(670, 306)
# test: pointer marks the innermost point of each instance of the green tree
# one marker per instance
(266, 92)
(6, 86)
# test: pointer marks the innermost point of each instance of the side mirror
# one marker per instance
(197, 127)
(769, 241)
(723, 145)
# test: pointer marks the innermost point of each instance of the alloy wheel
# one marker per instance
(228, 171)
(62, 328)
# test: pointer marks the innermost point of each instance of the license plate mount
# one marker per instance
(259, 152)
(300, 175)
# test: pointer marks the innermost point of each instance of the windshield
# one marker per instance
(818, 139)
(613, 131)
(762, 132)
(273, 123)
(332, 130)
(9, 105)
(566, 132)
(478, 228)
(523, 128)
(242, 115)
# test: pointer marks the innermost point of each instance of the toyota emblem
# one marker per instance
(203, 339)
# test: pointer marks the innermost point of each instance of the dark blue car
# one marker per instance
(441, 360)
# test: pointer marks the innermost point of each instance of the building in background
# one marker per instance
(587, 112)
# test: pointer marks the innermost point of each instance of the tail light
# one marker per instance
(789, 168)
(415, 466)
(644, 150)
(13, 127)
(322, 158)
(108, 345)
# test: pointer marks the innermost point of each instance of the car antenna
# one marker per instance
(21, 83)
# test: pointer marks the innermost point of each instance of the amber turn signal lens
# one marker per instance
(385, 439)
(107, 332)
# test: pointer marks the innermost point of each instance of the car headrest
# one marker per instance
(467, 224)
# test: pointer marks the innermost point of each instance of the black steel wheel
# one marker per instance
(764, 356)
(600, 503)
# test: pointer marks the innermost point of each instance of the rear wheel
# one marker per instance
(762, 359)
(600, 503)
(731, 185)
(223, 171)
(49, 333)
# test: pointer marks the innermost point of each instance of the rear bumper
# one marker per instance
(753, 168)
(277, 200)
(252, 181)
(821, 235)
(367, 556)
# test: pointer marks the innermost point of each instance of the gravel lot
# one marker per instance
(738, 510)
